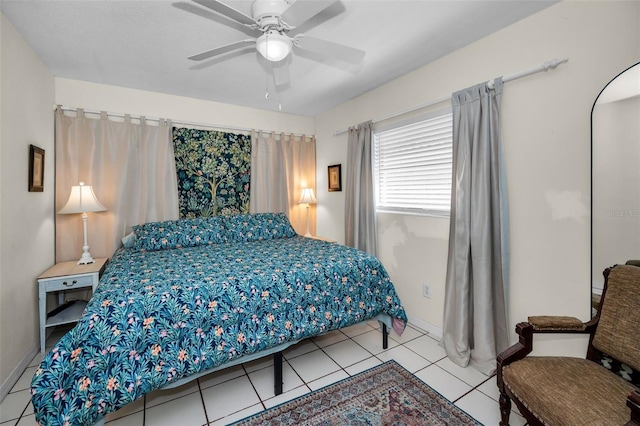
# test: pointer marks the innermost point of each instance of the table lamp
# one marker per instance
(308, 197)
(83, 200)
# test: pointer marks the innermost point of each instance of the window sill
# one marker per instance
(434, 214)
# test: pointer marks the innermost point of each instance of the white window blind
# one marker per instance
(413, 167)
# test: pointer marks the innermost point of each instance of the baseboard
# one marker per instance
(13, 378)
(434, 331)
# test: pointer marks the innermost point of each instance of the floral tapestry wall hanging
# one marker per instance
(213, 170)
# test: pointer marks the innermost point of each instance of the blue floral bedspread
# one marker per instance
(158, 316)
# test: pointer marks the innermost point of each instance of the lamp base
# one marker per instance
(85, 261)
(86, 257)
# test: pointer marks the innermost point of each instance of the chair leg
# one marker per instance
(505, 409)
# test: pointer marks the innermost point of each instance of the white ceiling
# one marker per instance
(144, 44)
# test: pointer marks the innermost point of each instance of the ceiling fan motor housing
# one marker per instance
(267, 12)
(275, 19)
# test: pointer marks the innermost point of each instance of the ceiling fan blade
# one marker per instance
(222, 49)
(209, 14)
(330, 49)
(303, 10)
(228, 11)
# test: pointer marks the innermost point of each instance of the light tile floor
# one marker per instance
(237, 392)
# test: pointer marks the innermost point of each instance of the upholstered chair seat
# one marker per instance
(552, 383)
(600, 389)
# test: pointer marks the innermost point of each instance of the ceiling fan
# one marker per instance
(272, 21)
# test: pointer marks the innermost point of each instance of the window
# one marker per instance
(413, 166)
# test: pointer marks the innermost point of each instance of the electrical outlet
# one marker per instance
(426, 291)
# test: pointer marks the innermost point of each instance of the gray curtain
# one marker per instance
(360, 209)
(475, 318)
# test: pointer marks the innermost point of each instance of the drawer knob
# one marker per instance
(74, 282)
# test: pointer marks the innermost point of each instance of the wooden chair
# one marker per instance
(602, 389)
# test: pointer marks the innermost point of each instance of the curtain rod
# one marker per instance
(177, 123)
(549, 65)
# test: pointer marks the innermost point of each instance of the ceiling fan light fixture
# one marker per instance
(274, 46)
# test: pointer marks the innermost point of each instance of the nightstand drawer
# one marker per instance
(68, 282)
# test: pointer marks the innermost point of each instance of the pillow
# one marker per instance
(128, 240)
(179, 233)
(258, 226)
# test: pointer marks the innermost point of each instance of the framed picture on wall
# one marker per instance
(335, 178)
(36, 169)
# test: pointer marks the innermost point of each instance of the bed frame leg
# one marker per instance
(385, 336)
(277, 373)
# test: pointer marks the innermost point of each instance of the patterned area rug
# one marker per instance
(384, 395)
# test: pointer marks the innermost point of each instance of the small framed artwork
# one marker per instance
(335, 178)
(36, 169)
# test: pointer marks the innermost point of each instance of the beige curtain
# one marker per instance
(282, 165)
(131, 168)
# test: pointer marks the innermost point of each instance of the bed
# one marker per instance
(184, 298)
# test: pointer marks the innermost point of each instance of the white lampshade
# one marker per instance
(274, 46)
(82, 200)
(307, 197)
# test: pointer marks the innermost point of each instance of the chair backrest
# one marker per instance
(618, 331)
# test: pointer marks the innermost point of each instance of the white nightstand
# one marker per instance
(62, 277)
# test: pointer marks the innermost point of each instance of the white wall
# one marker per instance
(546, 134)
(93, 96)
(26, 218)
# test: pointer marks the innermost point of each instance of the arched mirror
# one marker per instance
(615, 175)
